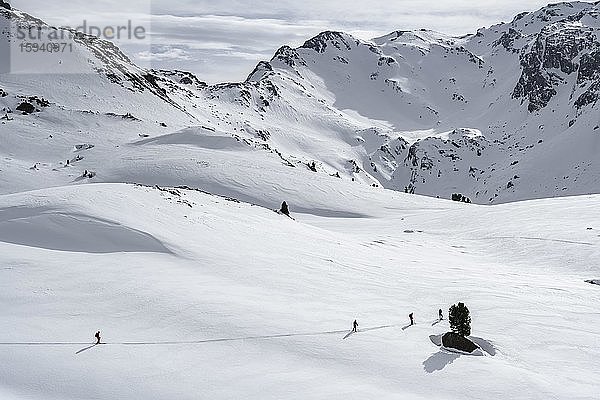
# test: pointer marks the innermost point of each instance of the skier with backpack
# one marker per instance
(355, 326)
(284, 209)
(412, 321)
(97, 336)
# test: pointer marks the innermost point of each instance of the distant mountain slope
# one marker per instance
(506, 114)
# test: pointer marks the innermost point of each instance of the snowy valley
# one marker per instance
(141, 203)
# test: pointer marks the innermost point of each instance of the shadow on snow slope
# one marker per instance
(45, 228)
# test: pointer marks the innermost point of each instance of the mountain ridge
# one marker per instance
(486, 114)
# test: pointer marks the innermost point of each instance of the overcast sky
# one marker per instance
(222, 40)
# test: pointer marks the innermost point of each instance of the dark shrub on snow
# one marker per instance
(27, 108)
(460, 197)
(284, 209)
(460, 319)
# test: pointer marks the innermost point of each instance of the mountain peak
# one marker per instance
(339, 40)
(485, 115)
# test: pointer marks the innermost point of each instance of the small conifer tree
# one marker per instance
(460, 319)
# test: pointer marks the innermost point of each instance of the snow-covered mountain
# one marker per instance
(508, 113)
(140, 203)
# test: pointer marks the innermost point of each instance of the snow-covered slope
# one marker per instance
(200, 290)
(200, 296)
(506, 114)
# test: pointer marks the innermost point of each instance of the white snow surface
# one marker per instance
(160, 231)
(205, 297)
(413, 109)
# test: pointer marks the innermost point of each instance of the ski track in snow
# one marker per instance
(536, 238)
(187, 285)
(167, 342)
(222, 270)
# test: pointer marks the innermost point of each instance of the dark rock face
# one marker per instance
(455, 341)
(26, 108)
(589, 67)
(319, 43)
(186, 80)
(535, 84)
(183, 77)
(560, 49)
(520, 16)
(288, 56)
(40, 101)
(589, 73)
(508, 39)
(261, 70)
(4, 4)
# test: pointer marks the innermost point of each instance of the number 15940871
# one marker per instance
(51, 47)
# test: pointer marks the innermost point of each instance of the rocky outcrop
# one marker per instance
(287, 56)
(507, 40)
(559, 50)
(535, 84)
(455, 341)
(589, 74)
(183, 77)
(260, 71)
(339, 40)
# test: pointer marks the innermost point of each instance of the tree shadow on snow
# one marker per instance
(485, 345)
(438, 361)
(436, 339)
(322, 212)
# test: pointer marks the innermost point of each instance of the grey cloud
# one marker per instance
(223, 40)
